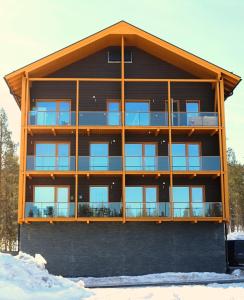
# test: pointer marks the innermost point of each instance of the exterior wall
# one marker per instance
(78, 249)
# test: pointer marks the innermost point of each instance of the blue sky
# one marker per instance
(211, 29)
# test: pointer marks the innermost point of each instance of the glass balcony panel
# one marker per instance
(110, 163)
(197, 209)
(96, 118)
(99, 209)
(51, 118)
(147, 209)
(147, 163)
(181, 209)
(49, 210)
(213, 209)
(196, 163)
(195, 119)
(50, 163)
(146, 119)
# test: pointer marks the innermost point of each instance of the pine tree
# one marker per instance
(8, 186)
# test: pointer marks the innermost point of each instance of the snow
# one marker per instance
(24, 277)
(237, 235)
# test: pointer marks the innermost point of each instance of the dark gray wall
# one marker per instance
(109, 249)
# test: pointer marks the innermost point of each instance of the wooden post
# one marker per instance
(123, 125)
(77, 147)
(170, 153)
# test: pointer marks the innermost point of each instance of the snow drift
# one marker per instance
(24, 277)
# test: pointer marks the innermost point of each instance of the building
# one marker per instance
(123, 156)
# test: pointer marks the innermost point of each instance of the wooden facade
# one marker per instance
(161, 74)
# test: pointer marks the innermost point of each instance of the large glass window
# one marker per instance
(192, 110)
(141, 201)
(52, 113)
(188, 201)
(140, 156)
(51, 201)
(52, 156)
(99, 196)
(99, 159)
(186, 156)
(137, 113)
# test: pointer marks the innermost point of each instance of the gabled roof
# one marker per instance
(111, 36)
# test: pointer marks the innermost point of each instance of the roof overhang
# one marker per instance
(111, 36)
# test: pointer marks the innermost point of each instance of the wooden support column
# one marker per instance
(22, 153)
(77, 147)
(224, 150)
(218, 107)
(27, 104)
(123, 125)
(170, 152)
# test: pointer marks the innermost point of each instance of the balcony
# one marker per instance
(147, 209)
(197, 209)
(147, 163)
(100, 163)
(99, 118)
(146, 119)
(49, 210)
(195, 163)
(50, 163)
(195, 119)
(99, 209)
(51, 118)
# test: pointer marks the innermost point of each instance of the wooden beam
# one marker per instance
(191, 132)
(54, 131)
(52, 176)
(214, 132)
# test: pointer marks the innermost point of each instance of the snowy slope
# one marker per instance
(237, 235)
(24, 277)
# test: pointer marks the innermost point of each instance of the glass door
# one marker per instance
(192, 111)
(137, 113)
(134, 201)
(99, 159)
(151, 208)
(113, 113)
(62, 202)
(149, 157)
(99, 197)
(197, 201)
(186, 156)
(181, 201)
(44, 201)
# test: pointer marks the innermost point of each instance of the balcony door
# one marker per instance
(99, 156)
(50, 201)
(192, 111)
(188, 201)
(51, 112)
(113, 108)
(141, 201)
(186, 156)
(52, 156)
(137, 113)
(99, 196)
(140, 156)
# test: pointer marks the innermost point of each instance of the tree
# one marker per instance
(8, 186)
(236, 191)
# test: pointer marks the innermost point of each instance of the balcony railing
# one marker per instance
(195, 163)
(99, 209)
(100, 163)
(147, 209)
(156, 118)
(50, 163)
(197, 209)
(201, 119)
(51, 118)
(99, 118)
(49, 209)
(147, 163)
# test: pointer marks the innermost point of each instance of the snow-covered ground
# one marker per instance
(237, 235)
(24, 277)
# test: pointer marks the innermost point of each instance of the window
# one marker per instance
(51, 113)
(52, 156)
(114, 55)
(186, 156)
(51, 201)
(99, 159)
(140, 156)
(137, 113)
(99, 196)
(141, 201)
(113, 108)
(188, 201)
(192, 110)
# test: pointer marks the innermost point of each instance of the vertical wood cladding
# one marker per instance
(114, 184)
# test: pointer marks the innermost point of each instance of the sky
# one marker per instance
(211, 29)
